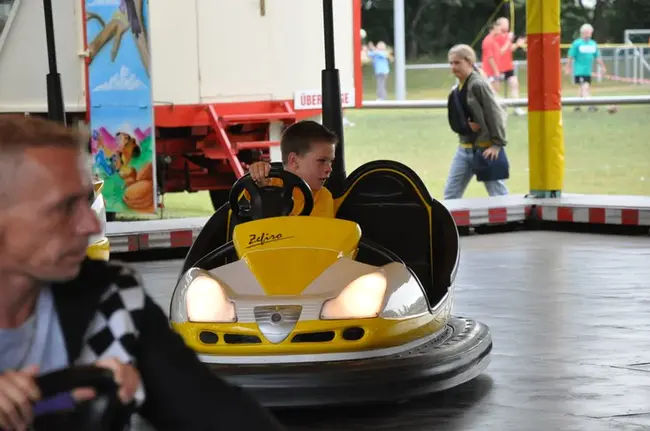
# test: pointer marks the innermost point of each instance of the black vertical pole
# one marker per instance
(55, 107)
(331, 91)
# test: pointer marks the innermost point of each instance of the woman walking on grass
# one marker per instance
(479, 120)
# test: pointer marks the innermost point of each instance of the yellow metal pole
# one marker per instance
(545, 133)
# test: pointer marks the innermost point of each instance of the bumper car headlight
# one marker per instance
(361, 299)
(206, 301)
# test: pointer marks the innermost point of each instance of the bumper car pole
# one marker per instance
(55, 108)
(331, 93)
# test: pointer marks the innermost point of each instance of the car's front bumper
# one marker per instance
(99, 250)
(457, 355)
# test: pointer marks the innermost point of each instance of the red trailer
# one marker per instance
(221, 77)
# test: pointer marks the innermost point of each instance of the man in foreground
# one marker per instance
(58, 309)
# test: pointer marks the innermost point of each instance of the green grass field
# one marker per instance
(604, 153)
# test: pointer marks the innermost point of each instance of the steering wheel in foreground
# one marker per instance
(270, 201)
(103, 413)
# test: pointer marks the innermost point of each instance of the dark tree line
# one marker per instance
(433, 26)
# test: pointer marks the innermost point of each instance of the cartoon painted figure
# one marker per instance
(105, 160)
(138, 192)
(120, 92)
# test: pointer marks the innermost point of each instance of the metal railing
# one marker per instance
(566, 101)
(629, 61)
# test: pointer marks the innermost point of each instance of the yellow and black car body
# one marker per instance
(99, 247)
(304, 310)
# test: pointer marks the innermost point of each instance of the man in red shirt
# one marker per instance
(505, 41)
(490, 58)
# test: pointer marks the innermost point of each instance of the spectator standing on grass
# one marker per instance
(381, 59)
(490, 58)
(479, 121)
(507, 45)
(580, 62)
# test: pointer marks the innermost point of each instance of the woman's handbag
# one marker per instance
(491, 170)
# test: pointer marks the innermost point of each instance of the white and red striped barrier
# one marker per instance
(492, 211)
(611, 216)
(609, 210)
(586, 209)
(153, 234)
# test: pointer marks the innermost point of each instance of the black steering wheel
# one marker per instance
(103, 413)
(270, 201)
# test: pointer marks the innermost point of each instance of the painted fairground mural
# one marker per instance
(121, 111)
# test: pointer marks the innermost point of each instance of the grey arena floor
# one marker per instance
(570, 319)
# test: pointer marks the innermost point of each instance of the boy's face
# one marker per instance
(315, 166)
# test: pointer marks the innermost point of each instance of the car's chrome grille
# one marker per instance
(310, 310)
(277, 321)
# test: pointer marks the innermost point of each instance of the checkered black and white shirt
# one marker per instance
(105, 312)
(112, 332)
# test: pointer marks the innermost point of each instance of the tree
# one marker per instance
(433, 26)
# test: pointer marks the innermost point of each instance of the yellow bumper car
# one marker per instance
(303, 310)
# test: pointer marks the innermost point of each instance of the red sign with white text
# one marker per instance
(303, 100)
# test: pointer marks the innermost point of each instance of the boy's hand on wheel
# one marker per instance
(259, 173)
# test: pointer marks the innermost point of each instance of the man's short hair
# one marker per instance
(19, 133)
(299, 137)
